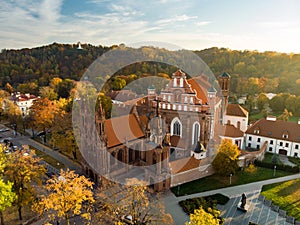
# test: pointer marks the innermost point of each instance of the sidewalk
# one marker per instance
(179, 217)
(25, 140)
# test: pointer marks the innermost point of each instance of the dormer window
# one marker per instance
(285, 135)
(256, 131)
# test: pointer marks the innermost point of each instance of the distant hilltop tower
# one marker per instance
(79, 45)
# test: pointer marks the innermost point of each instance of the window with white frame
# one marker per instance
(176, 127)
(196, 132)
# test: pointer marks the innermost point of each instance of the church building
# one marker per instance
(166, 139)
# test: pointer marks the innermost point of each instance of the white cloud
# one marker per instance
(177, 18)
(202, 23)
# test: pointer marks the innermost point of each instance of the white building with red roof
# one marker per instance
(282, 137)
(23, 101)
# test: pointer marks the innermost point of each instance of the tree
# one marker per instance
(43, 111)
(132, 201)
(68, 195)
(62, 135)
(285, 115)
(30, 87)
(226, 160)
(118, 84)
(22, 168)
(7, 196)
(277, 103)
(106, 103)
(54, 82)
(48, 92)
(200, 217)
(13, 112)
(9, 88)
(64, 88)
(262, 101)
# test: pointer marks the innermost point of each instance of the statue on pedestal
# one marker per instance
(243, 201)
(243, 206)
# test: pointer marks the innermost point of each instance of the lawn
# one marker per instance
(215, 182)
(47, 158)
(286, 195)
(269, 158)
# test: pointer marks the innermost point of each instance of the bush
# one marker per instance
(207, 202)
(287, 168)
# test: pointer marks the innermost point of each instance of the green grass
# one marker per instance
(47, 158)
(215, 182)
(286, 195)
(268, 158)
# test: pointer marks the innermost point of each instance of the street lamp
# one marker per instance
(230, 178)
(274, 171)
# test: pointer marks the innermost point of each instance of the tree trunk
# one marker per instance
(2, 219)
(74, 154)
(67, 220)
(20, 212)
(45, 136)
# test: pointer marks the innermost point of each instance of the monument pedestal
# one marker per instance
(243, 209)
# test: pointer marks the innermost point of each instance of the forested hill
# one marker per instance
(251, 71)
(43, 63)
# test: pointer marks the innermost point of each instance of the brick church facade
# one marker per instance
(164, 139)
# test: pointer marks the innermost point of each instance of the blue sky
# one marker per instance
(194, 24)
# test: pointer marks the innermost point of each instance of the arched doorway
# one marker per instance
(282, 152)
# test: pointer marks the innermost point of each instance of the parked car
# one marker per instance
(4, 129)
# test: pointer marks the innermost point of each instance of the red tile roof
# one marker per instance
(185, 164)
(199, 88)
(176, 141)
(228, 130)
(236, 110)
(120, 129)
(276, 129)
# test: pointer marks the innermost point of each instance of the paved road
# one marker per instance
(20, 140)
(252, 189)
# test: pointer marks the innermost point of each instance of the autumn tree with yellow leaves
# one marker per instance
(68, 195)
(43, 112)
(226, 160)
(24, 170)
(7, 196)
(201, 217)
(131, 203)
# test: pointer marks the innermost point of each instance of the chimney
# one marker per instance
(271, 118)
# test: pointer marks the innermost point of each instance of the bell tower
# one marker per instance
(100, 124)
(224, 82)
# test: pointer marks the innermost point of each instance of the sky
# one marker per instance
(263, 25)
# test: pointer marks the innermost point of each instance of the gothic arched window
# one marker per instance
(176, 127)
(196, 132)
